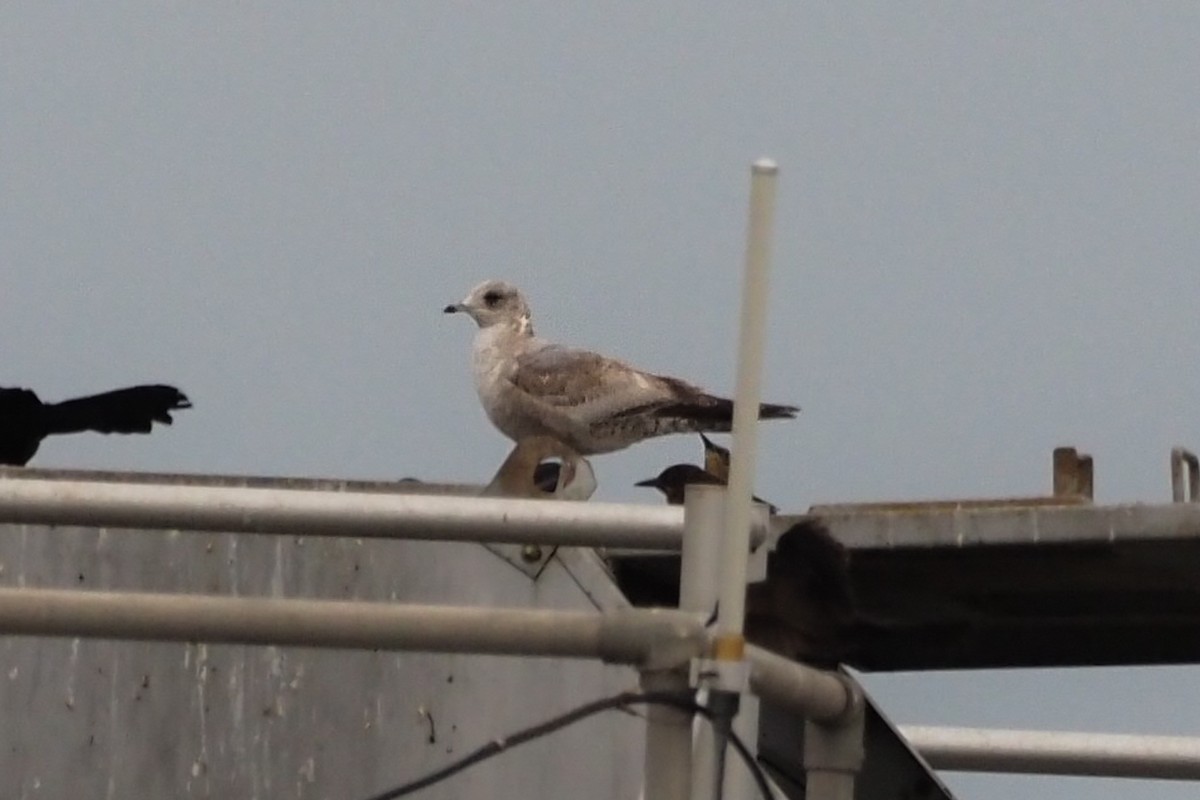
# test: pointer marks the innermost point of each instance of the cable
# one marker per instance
(684, 701)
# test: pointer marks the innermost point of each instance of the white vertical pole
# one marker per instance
(668, 766)
(833, 756)
(730, 643)
(739, 782)
(703, 524)
(671, 764)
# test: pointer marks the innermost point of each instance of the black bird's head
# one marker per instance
(672, 480)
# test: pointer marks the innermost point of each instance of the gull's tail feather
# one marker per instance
(131, 410)
(715, 414)
(776, 411)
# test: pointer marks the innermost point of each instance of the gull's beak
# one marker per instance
(649, 482)
(454, 308)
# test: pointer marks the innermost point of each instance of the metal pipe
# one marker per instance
(627, 636)
(703, 521)
(675, 760)
(1057, 752)
(739, 783)
(668, 763)
(833, 755)
(826, 697)
(1184, 488)
(354, 514)
(732, 582)
(703, 517)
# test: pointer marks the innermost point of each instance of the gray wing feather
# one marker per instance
(590, 386)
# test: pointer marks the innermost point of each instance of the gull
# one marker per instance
(589, 402)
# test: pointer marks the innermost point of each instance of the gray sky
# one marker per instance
(987, 246)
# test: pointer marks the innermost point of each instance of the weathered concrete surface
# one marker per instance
(98, 719)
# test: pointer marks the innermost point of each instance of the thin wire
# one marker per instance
(682, 701)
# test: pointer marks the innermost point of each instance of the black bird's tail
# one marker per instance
(131, 410)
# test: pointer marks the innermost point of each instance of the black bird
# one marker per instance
(25, 420)
(672, 481)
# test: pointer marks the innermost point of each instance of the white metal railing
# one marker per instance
(235, 509)
(1056, 752)
(645, 638)
(626, 636)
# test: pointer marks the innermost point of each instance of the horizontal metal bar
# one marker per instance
(968, 527)
(627, 636)
(821, 696)
(326, 513)
(1056, 752)
(643, 637)
(405, 485)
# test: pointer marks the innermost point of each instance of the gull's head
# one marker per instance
(494, 303)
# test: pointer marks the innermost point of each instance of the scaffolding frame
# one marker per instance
(672, 649)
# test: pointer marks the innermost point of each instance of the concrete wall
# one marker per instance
(99, 719)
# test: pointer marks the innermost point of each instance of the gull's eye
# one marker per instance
(491, 298)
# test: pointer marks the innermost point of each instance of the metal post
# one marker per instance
(672, 767)
(703, 521)
(833, 755)
(729, 647)
(703, 517)
(736, 539)
(737, 782)
(1184, 487)
(1073, 473)
(668, 767)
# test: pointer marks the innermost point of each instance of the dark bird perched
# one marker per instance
(674, 479)
(592, 403)
(25, 420)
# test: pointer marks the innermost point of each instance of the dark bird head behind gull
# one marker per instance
(674, 480)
